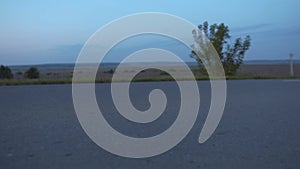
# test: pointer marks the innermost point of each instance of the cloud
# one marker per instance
(251, 28)
(62, 53)
(264, 31)
(67, 48)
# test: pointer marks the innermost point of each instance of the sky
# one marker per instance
(49, 31)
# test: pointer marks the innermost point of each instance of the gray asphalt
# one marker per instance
(259, 129)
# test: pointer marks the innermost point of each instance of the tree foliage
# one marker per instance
(32, 73)
(231, 56)
(5, 72)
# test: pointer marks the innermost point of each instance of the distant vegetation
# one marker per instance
(32, 73)
(110, 71)
(5, 72)
(231, 56)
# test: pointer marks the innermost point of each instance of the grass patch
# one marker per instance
(9, 82)
(260, 77)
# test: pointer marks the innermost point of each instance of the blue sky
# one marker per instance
(35, 32)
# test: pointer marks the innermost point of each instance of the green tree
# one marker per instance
(5, 72)
(32, 73)
(231, 56)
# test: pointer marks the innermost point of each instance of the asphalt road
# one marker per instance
(259, 129)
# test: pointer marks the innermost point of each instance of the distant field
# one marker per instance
(62, 74)
(275, 70)
(252, 69)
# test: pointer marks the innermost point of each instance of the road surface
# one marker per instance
(259, 129)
